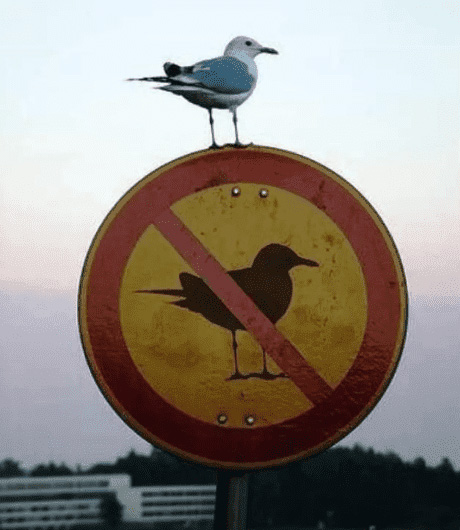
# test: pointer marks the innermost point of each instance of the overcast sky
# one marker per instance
(369, 89)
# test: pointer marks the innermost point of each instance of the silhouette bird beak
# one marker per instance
(308, 262)
(268, 50)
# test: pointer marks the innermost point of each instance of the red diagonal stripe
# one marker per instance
(313, 386)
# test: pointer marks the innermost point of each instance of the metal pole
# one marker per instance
(231, 501)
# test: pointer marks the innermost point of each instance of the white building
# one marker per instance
(42, 503)
(168, 503)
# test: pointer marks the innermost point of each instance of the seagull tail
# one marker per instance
(173, 70)
(177, 88)
(160, 79)
(181, 89)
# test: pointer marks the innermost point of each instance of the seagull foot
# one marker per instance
(265, 374)
(239, 145)
(268, 376)
(214, 146)
(237, 375)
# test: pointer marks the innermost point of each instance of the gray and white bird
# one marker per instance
(221, 83)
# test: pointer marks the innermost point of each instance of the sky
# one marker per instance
(369, 89)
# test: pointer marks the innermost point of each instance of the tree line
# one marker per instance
(342, 487)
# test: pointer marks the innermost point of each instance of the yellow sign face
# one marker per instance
(188, 360)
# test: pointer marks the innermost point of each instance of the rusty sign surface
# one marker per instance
(243, 308)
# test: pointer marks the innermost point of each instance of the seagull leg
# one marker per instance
(211, 121)
(235, 123)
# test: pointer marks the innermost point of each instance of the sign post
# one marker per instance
(243, 308)
(231, 501)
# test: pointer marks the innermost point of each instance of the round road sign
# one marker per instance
(243, 308)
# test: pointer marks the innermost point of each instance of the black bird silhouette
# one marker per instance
(267, 283)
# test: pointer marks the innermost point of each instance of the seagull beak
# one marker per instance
(268, 50)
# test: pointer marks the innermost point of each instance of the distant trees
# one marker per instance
(50, 470)
(157, 468)
(342, 487)
(352, 488)
(10, 468)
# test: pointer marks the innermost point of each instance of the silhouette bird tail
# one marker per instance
(171, 292)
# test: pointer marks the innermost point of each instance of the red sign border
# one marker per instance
(252, 447)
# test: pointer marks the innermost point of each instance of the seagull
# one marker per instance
(221, 83)
(266, 282)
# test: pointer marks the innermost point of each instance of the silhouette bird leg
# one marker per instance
(236, 374)
(211, 121)
(265, 373)
(264, 357)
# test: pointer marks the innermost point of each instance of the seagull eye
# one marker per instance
(248, 43)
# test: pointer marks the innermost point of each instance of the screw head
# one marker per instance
(221, 419)
(236, 191)
(249, 420)
(263, 193)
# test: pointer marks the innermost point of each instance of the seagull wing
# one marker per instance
(225, 75)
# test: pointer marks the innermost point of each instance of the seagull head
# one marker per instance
(246, 47)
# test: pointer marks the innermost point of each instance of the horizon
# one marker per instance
(78, 469)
